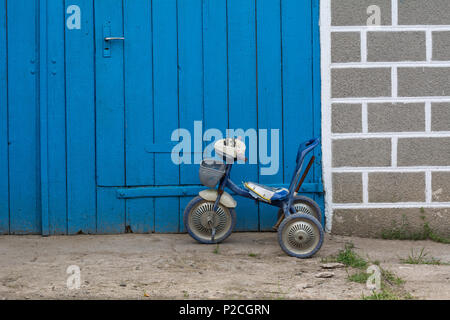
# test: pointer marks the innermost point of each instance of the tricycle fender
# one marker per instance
(211, 195)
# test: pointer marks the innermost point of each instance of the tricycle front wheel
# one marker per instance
(200, 219)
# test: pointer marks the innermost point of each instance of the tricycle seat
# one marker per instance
(265, 193)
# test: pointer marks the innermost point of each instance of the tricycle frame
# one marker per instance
(285, 204)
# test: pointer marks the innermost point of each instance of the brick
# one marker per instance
(345, 47)
(441, 45)
(440, 116)
(417, 82)
(396, 46)
(440, 182)
(423, 152)
(396, 187)
(378, 222)
(346, 118)
(347, 187)
(419, 12)
(361, 153)
(361, 82)
(400, 117)
(354, 12)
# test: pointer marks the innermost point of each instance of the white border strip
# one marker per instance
(428, 187)
(422, 134)
(398, 205)
(390, 169)
(428, 117)
(365, 187)
(394, 12)
(325, 44)
(429, 45)
(409, 64)
(390, 99)
(387, 28)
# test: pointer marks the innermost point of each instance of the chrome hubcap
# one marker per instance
(300, 236)
(203, 218)
(303, 208)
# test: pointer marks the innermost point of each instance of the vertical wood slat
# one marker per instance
(269, 91)
(4, 179)
(80, 119)
(297, 75)
(138, 56)
(243, 93)
(43, 198)
(165, 72)
(57, 197)
(110, 212)
(190, 74)
(110, 117)
(23, 117)
(215, 65)
(109, 95)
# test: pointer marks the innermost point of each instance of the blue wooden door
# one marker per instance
(230, 64)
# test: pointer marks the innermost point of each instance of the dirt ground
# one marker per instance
(246, 266)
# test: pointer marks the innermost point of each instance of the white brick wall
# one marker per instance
(395, 137)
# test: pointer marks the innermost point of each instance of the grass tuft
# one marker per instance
(403, 232)
(421, 258)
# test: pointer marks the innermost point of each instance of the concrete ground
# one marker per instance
(247, 265)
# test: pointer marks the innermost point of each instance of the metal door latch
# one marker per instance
(107, 38)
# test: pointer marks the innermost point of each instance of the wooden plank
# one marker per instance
(243, 94)
(80, 117)
(269, 94)
(110, 108)
(4, 180)
(43, 197)
(167, 215)
(190, 74)
(215, 65)
(165, 92)
(297, 75)
(110, 212)
(138, 92)
(184, 201)
(57, 197)
(23, 117)
(140, 215)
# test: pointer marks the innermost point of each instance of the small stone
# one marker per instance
(308, 285)
(332, 265)
(324, 275)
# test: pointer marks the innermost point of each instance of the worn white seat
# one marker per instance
(266, 193)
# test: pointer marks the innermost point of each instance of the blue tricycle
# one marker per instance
(210, 217)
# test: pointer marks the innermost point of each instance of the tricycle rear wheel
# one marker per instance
(304, 205)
